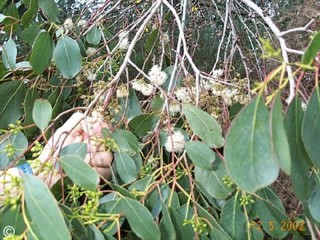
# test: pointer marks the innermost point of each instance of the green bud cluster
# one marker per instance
(15, 128)
(199, 226)
(227, 181)
(36, 149)
(245, 200)
(10, 150)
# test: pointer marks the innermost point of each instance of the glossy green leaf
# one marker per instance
(126, 167)
(130, 105)
(313, 203)
(311, 127)
(200, 154)
(41, 113)
(233, 219)
(142, 124)
(30, 14)
(204, 125)
(211, 180)
(12, 95)
(142, 184)
(140, 219)
(279, 140)
(151, 41)
(94, 35)
(80, 172)
(9, 54)
(49, 8)
(43, 208)
(41, 53)
(312, 50)
(67, 57)
(126, 141)
(300, 161)
(19, 143)
(248, 151)
(271, 213)
(166, 226)
(30, 33)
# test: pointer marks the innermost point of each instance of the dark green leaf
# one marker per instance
(312, 50)
(41, 53)
(130, 105)
(67, 57)
(311, 128)
(183, 231)
(11, 217)
(204, 125)
(233, 219)
(142, 124)
(200, 154)
(150, 41)
(12, 95)
(41, 113)
(80, 172)
(271, 213)
(49, 8)
(248, 149)
(279, 140)
(9, 54)
(140, 219)
(94, 36)
(43, 208)
(30, 14)
(313, 203)
(166, 226)
(30, 33)
(142, 184)
(300, 161)
(126, 167)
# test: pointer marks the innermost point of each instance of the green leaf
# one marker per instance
(49, 8)
(126, 141)
(67, 57)
(313, 203)
(142, 124)
(130, 105)
(41, 53)
(312, 50)
(43, 209)
(200, 154)
(300, 161)
(126, 167)
(30, 14)
(140, 219)
(41, 113)
(279, 140)
(311, 127)
(142, 184)
(233, 219)
(94, 35)
(77, 149)
(80, 172)
(248, 151)
(19, 143)
(271, 213)
(11, 217)
(166, 226)
(9, 54)
(12, 95)
(183, 231)
(204, 125)
(30, 33)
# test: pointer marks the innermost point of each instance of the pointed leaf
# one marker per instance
(300, 161)
(233, 219)
(30, 14)
(126, 167)
(142, 124)
(12, 95)
(140, 219)
(200, 154)
(311, 128)
(43, 209)
(204, 125)
(80, 172)
(41, 113)
(77, 149)
(279, 140)
(67, 57)
(166, 226)
(94, 36)
(9, 54)
(248, 149)
(41, 53)
(312, 50)
(50, 9)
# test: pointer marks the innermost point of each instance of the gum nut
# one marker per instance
(104, 172)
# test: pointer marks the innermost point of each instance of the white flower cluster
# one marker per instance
(174, 108)
(143, 87)
(166, 38)
(68, 25)
(82, 23)
(183, 95)
(123, 40)
(122, 91)
(91, 76)
(157, 76)
(217, 73)
(90, 51)
(175, 142)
